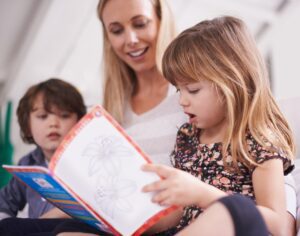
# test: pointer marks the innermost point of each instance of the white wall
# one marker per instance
(71, 49)
(285, 43)
(67, 44)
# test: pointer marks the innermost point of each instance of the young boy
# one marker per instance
(46, 113)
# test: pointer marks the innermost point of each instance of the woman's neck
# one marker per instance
(150, 81)
(151, 90)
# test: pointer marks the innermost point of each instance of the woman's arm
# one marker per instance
(268, 183)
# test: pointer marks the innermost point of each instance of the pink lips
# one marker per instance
(53, 136)
(192, 117)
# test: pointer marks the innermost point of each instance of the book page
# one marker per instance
(102, 166)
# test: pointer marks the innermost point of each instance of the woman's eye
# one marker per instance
(140, 24)
(115, 29)
(177, 90)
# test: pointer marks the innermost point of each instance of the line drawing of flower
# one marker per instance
(112, 195)
(106, 153)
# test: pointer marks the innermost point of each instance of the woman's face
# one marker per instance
(132, 29)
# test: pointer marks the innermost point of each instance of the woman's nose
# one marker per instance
(131, 37)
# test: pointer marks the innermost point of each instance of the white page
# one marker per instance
(105, 170)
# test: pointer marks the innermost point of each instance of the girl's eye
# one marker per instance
(194, 91)
(177, 90)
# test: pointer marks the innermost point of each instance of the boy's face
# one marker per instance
(204, 105)
(49, 128)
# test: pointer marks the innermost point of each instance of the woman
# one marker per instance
(135, 92)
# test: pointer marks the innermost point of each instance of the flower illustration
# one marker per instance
(105, 153)
(112, 195)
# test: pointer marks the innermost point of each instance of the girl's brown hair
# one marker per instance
(222, 51)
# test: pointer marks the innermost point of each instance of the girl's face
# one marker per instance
(49, 128)
(204, 105)
(132, 29)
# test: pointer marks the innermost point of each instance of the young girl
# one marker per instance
(237, 140)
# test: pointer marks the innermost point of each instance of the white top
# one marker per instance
(296, 175)
(155, 130)
(290, 194)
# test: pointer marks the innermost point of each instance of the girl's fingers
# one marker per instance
(162, 198)
(162, 171)
(155, 186)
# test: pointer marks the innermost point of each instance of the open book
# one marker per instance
(95, 175)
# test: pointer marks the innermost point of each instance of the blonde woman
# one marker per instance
(135, 91)
(135, 35)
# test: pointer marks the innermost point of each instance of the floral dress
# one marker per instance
(205, 162)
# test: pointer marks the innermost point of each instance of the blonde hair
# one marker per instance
(222, 51)
(120, 80)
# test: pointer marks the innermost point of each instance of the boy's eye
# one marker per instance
(65, 115)
(42, 116)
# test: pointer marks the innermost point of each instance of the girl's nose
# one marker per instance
(183, 101)
(131, 37)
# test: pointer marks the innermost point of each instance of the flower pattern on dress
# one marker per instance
(205, 162)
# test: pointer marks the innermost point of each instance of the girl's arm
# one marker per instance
(180, 188)
(268, 183)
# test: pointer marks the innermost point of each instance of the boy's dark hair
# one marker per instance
(56, 92)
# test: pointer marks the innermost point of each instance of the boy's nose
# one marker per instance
(54, 120)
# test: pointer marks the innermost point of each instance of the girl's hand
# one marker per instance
(175, 188)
